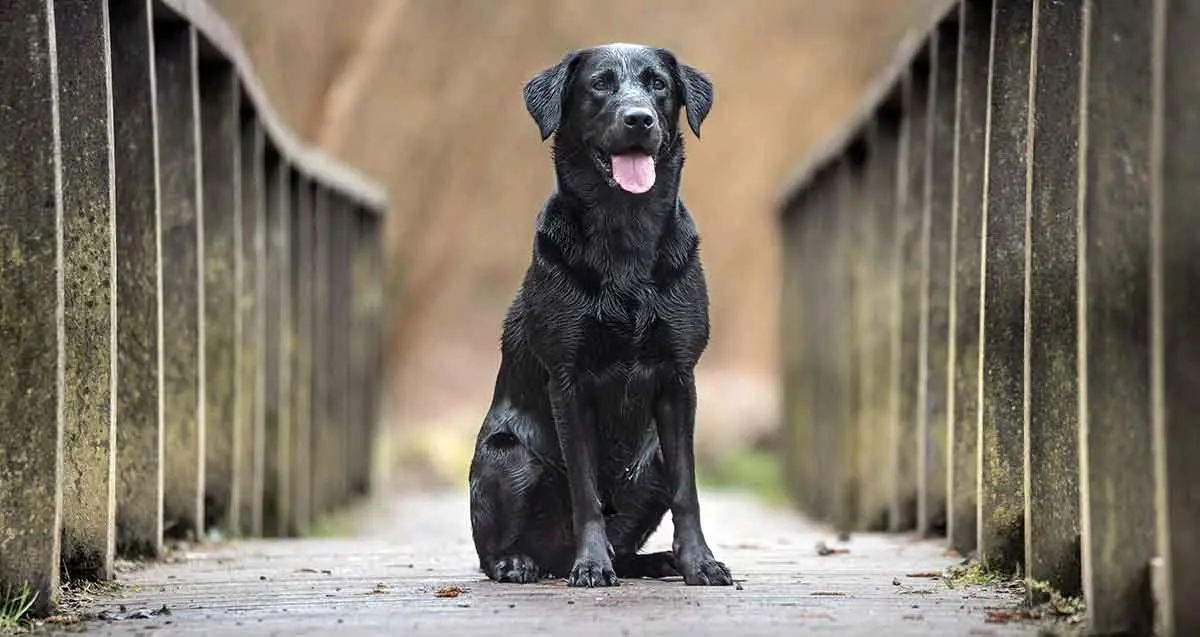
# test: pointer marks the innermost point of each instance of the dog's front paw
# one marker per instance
(593, 573)
(518, 569)
(706, 572)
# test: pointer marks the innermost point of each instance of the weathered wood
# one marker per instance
(300, 281)
(881, 387)
(975, 19)
(30, 293)
(797, 408)
(323, 421)
(337, 361)
(1117, 481)
(277, 431)
(182, 226)
(223, 424)
(1052, 424)
(249, 445)
(841, 297)
(89, 288)
(1177, 347)
(911, 202)
(933, 438)
(139, 324)
(1002, 440)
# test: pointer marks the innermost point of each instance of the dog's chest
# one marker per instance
(627, 326)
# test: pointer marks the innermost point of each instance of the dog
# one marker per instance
(588, 441)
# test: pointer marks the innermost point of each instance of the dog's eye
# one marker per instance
(600, 84)
(659, 84)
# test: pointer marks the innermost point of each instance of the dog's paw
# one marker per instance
(706, 572)
(517, 569)
(593, 573)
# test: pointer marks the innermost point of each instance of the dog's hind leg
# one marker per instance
(502, 480)
(652, 565)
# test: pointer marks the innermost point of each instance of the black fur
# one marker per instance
(588, 441)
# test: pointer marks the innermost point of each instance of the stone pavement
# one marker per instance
(415, 553)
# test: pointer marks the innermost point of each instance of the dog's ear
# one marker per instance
(545, 93)
(694, 88)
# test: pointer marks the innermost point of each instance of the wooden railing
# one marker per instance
(190, 298)
(991, 307)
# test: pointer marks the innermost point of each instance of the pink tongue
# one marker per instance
(633, 172)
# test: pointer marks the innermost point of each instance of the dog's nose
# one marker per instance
(640, 118)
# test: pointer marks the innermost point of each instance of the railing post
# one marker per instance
(139, 317)
(819, 351)
(31, 336)
(361, 349)
(974, 44)
(935, 356)
(250, 446)
(278, 429)
(89, 288)
(301, 283)
(797, 379)
(858, 241)
(881, 329)
(1117, 470)
(376, 354)
(1001, 477)
(1052, 427)
(223, 326)
(323, 422)
(182, 227)
(910, 208)
(1176, 277)
(844, 361)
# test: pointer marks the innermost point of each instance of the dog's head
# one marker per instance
(620, 103)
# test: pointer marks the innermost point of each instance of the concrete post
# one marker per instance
(974, 43)
(937, 269)
(182, 228)
(223, 325)
(31, 326)
(1177, 346)
(89, 288)
(139, 311)
(249, 445)
(1117, 481)
(1052, 434)
(1001, 477)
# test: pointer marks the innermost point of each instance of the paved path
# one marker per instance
(387, 582)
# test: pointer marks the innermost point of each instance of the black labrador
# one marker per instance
(588, 441)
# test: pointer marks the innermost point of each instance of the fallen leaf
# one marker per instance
(450, 591)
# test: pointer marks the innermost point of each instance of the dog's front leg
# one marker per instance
(675, 414)
(576, 437)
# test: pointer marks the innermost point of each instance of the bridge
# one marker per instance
(991, 358)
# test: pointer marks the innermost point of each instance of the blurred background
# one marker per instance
(425, 97)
